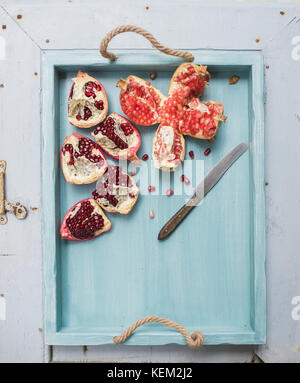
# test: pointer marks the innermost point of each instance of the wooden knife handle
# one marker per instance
(171, 225)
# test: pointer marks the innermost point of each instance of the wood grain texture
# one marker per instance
(226, 277)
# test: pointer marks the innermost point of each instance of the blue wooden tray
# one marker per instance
(210, 274)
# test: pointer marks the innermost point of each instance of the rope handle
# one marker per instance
(194, 341)
(132, 28)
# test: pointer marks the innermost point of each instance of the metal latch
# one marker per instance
(17, 209)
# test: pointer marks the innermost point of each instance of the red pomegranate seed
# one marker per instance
(183, 178)
(207, 151)
(78, 117)
(151, 188)
(145, 157)
(191, 153)
(169, 192)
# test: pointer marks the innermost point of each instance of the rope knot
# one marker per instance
(198, 339)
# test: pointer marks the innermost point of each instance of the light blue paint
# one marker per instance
(210, 274)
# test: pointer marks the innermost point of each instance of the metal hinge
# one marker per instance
(17, 209)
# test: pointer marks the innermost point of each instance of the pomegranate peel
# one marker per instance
(116, 191)
(118, 137)
(140, 100)
(82, 160)
(87, 103)
(168, 149)
(84, 221)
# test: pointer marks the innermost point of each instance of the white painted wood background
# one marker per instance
(74, 24)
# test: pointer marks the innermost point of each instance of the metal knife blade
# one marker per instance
(209, 181)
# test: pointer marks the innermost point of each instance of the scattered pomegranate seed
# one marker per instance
(169, 192)
(145, 157)
(207, 151)
(78, 117)
(191, 154)
(183, 178)
(153, 75)
(151, 188)
(131, 195)
(151, 214)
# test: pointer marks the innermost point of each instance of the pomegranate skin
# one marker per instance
(83, 103)
(65, 232)
(134, 141)
(97, 171)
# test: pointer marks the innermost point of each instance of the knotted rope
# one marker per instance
(132, 28)
(194, 341)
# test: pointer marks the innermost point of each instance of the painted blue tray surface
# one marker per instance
(209, 275)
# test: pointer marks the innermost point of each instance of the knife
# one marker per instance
(203, 188)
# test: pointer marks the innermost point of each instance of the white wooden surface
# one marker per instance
(180, 24)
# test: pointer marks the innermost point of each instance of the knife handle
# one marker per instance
(171, 225)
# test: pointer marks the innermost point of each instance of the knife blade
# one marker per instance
(209, 181)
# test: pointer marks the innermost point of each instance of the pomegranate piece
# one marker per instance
(82, 160)
(207, 151)
(168, 148)
(118, 137)
(196, 119)
(116, 191)
(145, 157)
(87, 103)
(84, 221)
(192, 77)
(151, 188)
(169, 192)
(140, 100)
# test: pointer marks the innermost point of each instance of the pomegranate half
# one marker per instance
(140, 100)
(87, 104)
(168, 148)
(82, 160)
(116, 191)
(118, 137)
(84, 221)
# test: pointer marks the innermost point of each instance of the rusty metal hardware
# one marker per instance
(17, 209)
